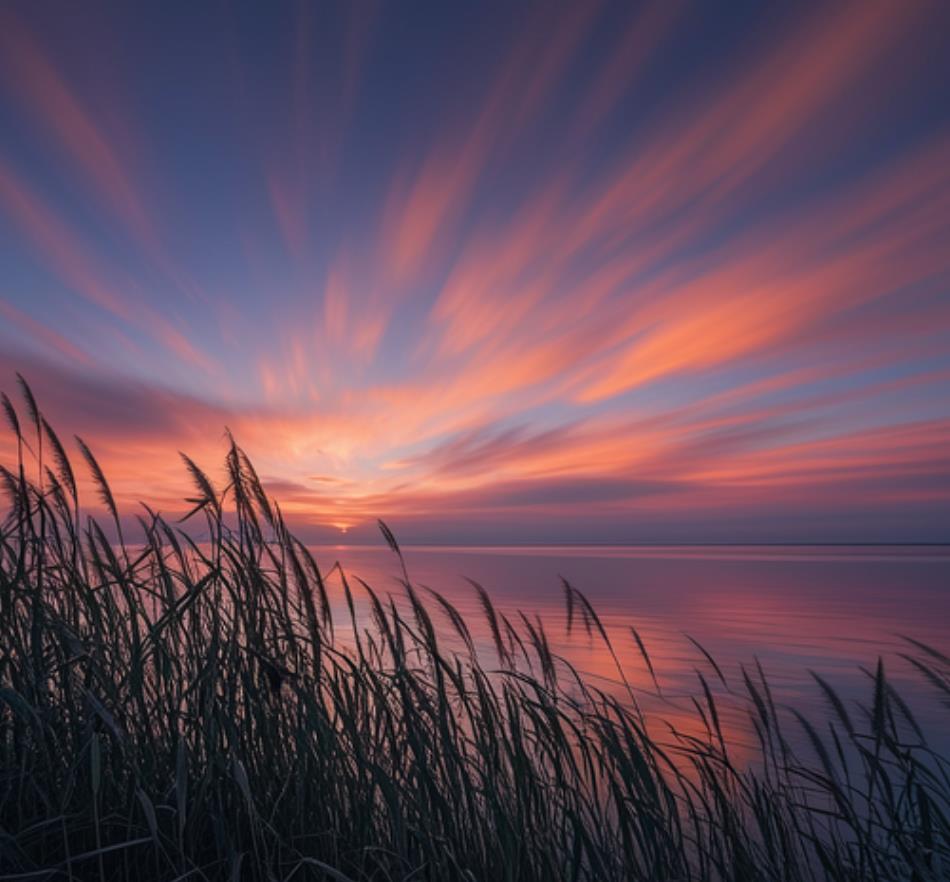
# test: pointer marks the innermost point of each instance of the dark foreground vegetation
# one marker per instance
(176, 710)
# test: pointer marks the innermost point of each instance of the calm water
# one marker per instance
(830, 609)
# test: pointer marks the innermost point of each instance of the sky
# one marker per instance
(495, 272)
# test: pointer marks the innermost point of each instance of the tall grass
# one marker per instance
(175, 710)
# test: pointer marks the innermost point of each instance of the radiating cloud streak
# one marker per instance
(43, 93)
(560, 291)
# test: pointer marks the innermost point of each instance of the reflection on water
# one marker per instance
(829, 609)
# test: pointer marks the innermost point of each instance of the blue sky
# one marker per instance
(552, 272)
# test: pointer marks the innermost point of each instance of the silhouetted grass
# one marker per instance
(185, 711)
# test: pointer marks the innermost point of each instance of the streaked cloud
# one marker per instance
(556, 287)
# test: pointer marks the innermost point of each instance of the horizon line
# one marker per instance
(383, 546)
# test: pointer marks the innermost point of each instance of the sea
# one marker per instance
(782, 612)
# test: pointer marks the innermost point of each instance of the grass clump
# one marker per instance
(185, 710)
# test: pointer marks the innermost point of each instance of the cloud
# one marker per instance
(552, 306)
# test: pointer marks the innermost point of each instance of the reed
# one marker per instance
(185, 710)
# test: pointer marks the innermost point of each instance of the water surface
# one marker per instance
(831, 609)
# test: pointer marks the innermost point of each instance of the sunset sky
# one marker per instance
(497, 273)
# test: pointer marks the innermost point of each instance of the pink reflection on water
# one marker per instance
(790, 609)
